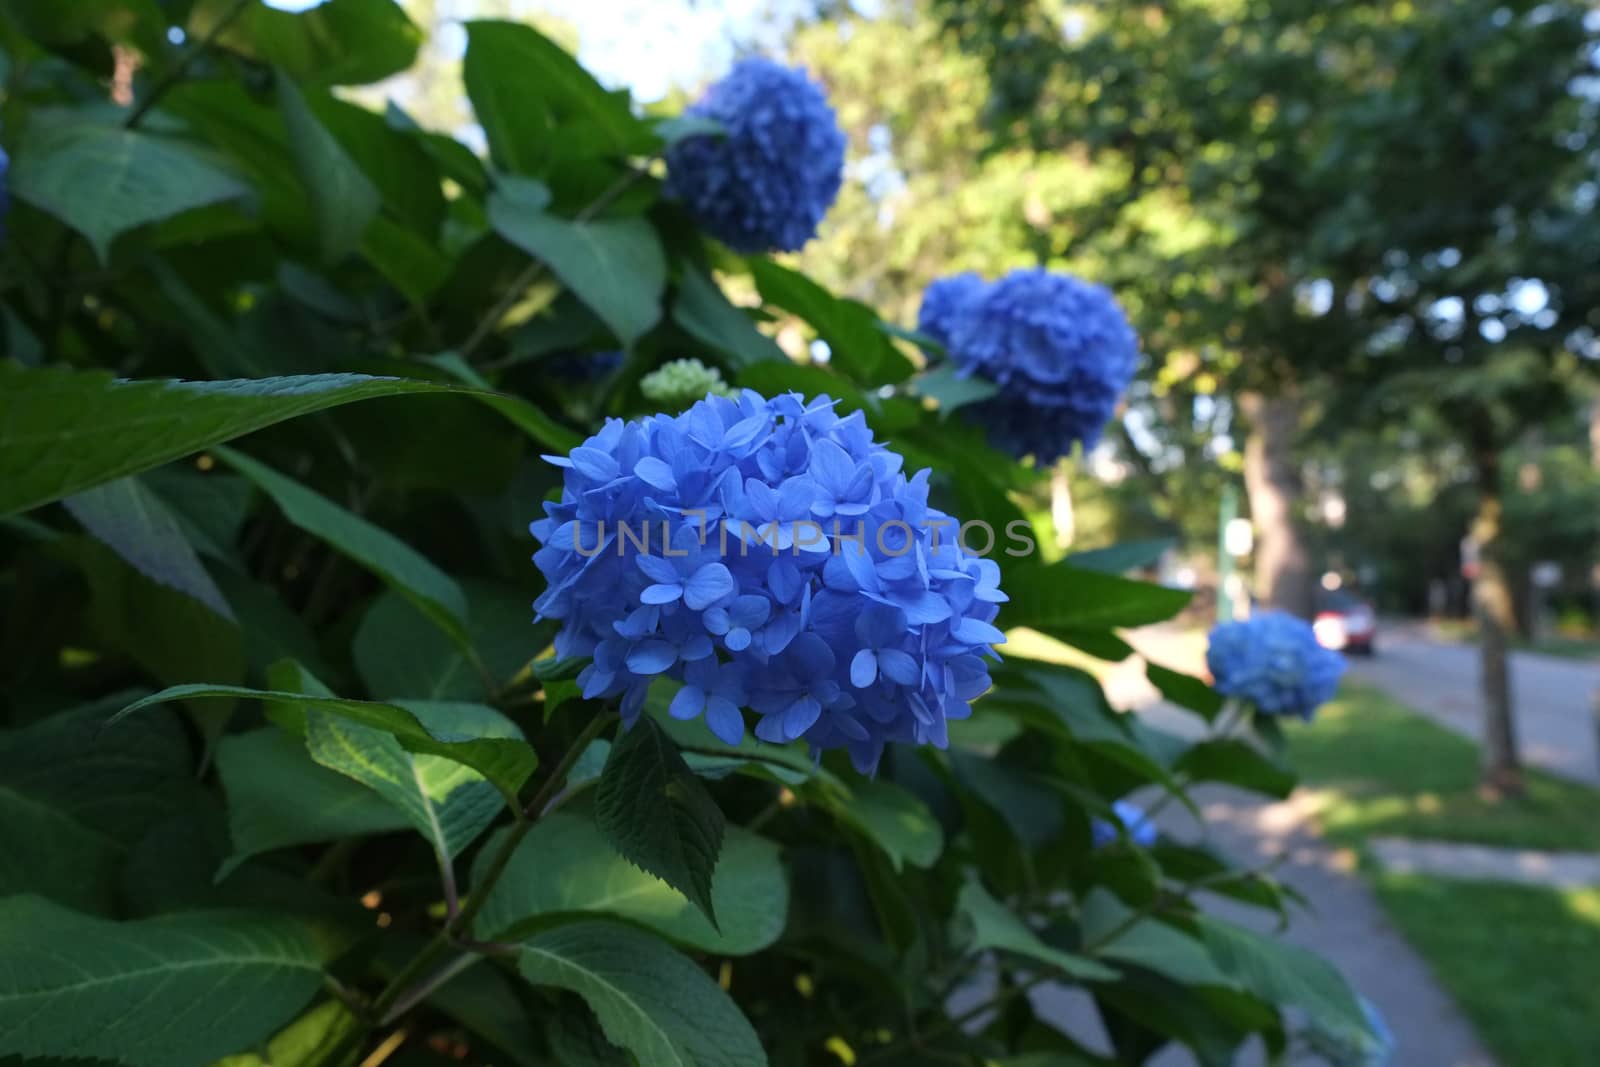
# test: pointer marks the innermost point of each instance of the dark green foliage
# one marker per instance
(354, 705)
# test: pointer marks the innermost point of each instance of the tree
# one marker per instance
(1360, 177)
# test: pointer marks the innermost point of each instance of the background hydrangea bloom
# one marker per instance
(767, 184)
(681, 382)
(767, 600)
(1272, 660)
(945, 301)
(1060, 350)
(1134, 820)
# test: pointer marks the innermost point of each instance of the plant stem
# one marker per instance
(400, 987)
(180, 68)
(532, 272)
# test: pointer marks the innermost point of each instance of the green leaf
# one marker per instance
(410, 262)
(482, 999)
(859, 348)
(139, 527)
(453, 731)
(786, 764)
(615, 266)
(565, 865)
(400, 654)
(649, 999)
(896, 821)
(1239, 763)
(1121, 558)
(405, 569)
(175, 991)
(1148, 943)
(682, 127)
(306, 1042)
(1184, 690)
(75, 794)
(1026, 801)
(279, 797)
(338, 42)
(343, 201)
(535, 101)
(105, 180)
(1283, 974)
(705, 313)
(994, 927)
(950, 390)
(63, 431)
(534, 422)
(655, 812)
(446, 802)
(1065, 598)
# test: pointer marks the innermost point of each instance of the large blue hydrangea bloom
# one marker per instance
(1133, 819)
(1059, 349)
(737, 570)
(767, 183)
(1273, 661)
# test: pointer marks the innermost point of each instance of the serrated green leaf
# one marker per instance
(566, 865)
(279, 797)
(649, 999)
(655, 812)
(175, 991)
(139, 527)
(1239, 763)
(1184, 690)
(400, 654)
(306, 1042)
(859, 348)
(1149, 943)
(705, 313)
(994, 927)
(405, 569)
(343, 201)
(453, 731)
(615, 266)
(105, 180)
(63, 431)
(892, 818)
(447, 803)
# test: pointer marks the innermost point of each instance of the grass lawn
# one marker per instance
(1382, 770)
(1523, 963)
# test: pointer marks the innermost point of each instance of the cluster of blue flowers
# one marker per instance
(766, 182)
(1272, 660)
(770, 555)
(1133, 819)
(1059, 350)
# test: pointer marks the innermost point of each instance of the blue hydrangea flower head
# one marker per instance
(767, 181)
(1273, 661)
(1059, 349)
(1133, 819)
(770, 556)
(944, 303)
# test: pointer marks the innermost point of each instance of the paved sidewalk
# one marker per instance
(1523, 866)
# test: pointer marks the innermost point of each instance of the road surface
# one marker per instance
(1553, 696)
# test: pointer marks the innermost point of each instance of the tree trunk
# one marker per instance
(1272, 480)
(1491, 601)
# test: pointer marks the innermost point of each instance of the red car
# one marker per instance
(1346, 623)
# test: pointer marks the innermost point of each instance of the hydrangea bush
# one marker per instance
(295, 772)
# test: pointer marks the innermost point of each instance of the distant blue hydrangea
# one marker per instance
(771, 556)
(1134, 820)
(1059, 349)
(1273, 661)
(767, 182)
(945, 302)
